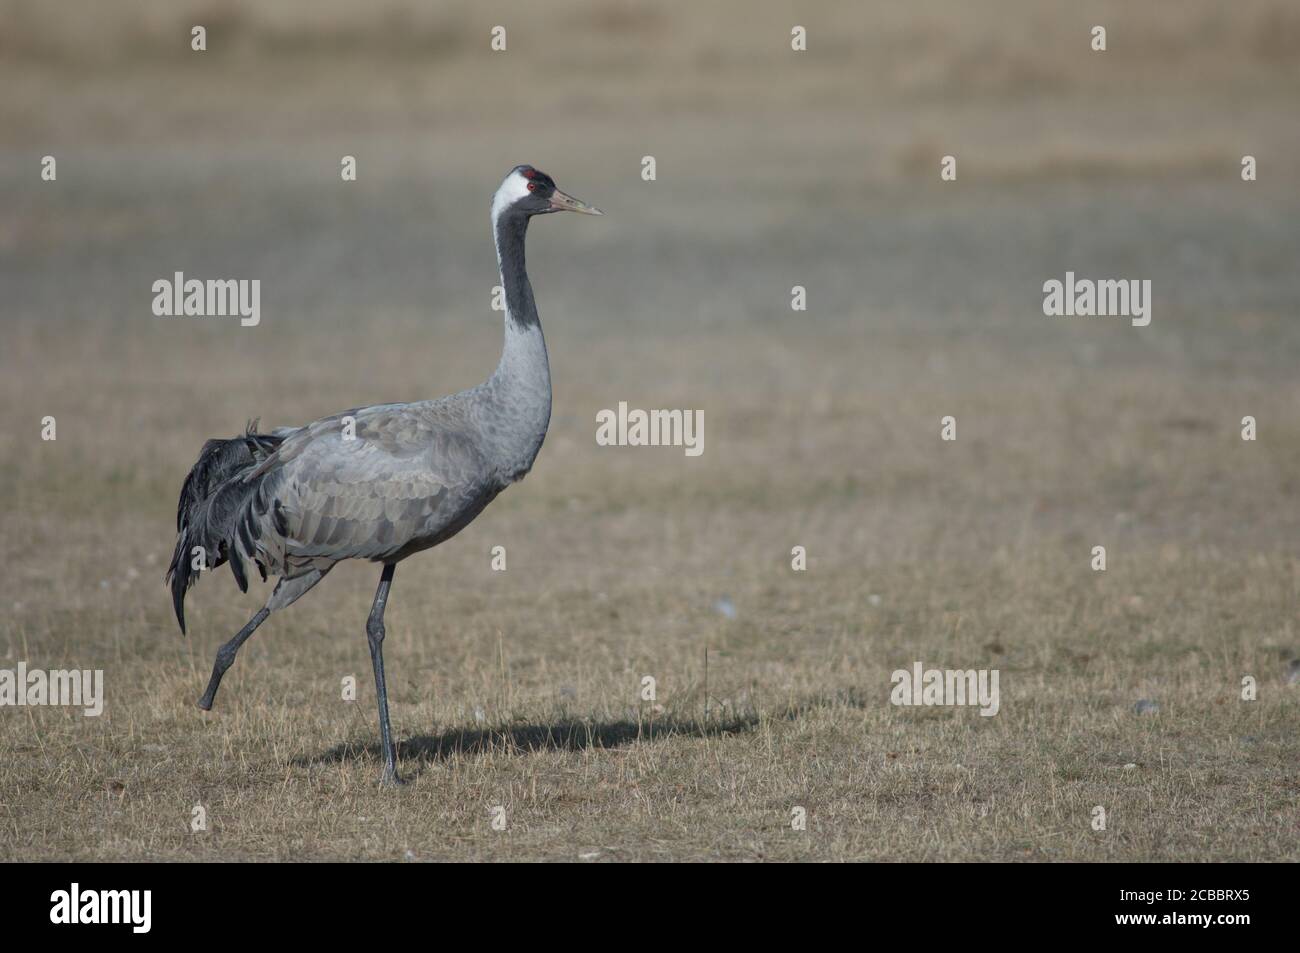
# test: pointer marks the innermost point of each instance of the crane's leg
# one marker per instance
(375, 635)
(286, 592)
(226, 657)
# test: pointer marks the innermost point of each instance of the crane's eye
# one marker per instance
(532, 186)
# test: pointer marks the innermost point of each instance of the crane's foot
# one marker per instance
(391, 779)
(210, 695)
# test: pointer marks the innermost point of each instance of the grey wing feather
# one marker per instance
(408, 477)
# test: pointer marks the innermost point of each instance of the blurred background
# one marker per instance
(774, 169)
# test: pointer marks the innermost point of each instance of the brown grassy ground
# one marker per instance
(520, 689)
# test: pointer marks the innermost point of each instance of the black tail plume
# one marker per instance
(207, 512)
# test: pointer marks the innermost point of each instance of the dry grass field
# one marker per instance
(520, 689)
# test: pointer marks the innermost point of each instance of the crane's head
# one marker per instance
(530, 191)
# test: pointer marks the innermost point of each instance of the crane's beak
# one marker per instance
(561, 202)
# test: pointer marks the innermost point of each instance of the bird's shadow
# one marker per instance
(523, 738)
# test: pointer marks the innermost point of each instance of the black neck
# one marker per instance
(511, 228)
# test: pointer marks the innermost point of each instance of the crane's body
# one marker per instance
(378, 483)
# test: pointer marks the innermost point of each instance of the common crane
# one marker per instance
(378, 483)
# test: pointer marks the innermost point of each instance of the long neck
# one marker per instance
(521, 386)
(510, 230)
